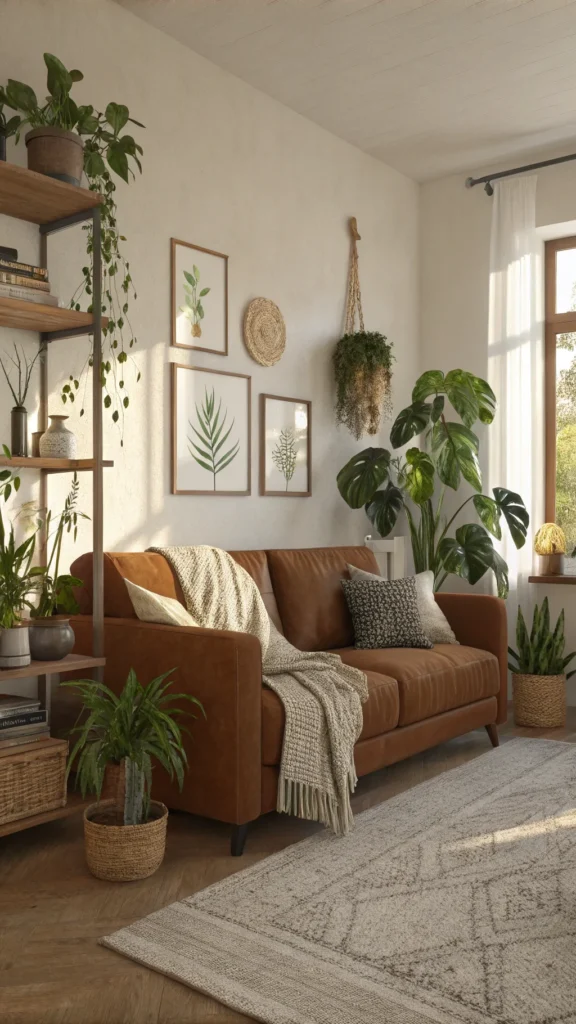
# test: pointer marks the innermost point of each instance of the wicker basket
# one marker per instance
(539, 701)
(123, 853)
(32, 779)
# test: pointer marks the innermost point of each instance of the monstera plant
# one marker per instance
(416, 481)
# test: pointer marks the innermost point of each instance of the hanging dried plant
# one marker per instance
(363, 369)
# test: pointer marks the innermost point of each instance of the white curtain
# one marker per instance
(516, 370)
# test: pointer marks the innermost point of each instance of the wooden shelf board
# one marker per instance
(74, 805)
(35, 316)
(51, 465)
(38, 199)
(71, 663)
(553, 579)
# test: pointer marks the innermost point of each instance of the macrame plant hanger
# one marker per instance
(354, 297)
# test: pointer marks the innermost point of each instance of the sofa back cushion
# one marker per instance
(152, 572)
(309, 594)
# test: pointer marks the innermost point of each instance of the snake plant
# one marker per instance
(540, 652)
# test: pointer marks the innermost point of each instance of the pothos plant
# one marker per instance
(106, 148)
(416, 481)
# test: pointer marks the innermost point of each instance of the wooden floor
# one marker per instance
(52, 911)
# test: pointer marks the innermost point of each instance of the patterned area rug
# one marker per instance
(453, 903)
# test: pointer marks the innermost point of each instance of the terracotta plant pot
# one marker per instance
(51, 639)
(56, 153)
(123, 853)
(551, 565)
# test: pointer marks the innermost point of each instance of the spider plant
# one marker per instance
(130, 729)
(18, 577)
(57, 593)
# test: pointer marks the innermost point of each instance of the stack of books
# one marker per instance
(23, 280)
(21, 721)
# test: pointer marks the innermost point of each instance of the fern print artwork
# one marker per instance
(194, 309)
(285, 447)
(285, 453)
(212, 447)
(199, 280)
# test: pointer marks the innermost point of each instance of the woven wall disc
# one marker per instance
(264, 332)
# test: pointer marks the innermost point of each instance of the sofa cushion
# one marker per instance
(380, 714)
(309, 594)
(256, 564)
(430, 682)
(145, 568)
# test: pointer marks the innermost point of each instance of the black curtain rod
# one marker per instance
(489, 178)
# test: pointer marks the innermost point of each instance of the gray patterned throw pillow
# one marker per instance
(385, 615)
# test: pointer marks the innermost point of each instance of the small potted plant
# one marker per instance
(539, 670)
(550, 546)
(18, 580)
(125, 837)
(22, 372)
(51, 635)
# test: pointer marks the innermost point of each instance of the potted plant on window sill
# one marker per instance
(125, 837)
(539, 671)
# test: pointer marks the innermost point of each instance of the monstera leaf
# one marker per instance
(455, 448)
(410, 422)
(361, 477)
(471, 396)
(418, 475)
(429, 383)
(489, 514)
(500, 570)
(384, 508)
(515, 513)
(462, 395)
(469, 554)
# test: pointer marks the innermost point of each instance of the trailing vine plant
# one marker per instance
(363, 370)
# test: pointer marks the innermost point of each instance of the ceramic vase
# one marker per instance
(14, 647)
(58, 442)
(19, 431)
(51, 639)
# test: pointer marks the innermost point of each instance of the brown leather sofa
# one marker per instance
(418, 698)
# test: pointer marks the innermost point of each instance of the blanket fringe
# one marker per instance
(313, 804)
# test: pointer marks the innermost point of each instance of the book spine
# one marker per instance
(28, 269)
(25, 718)
(10, 291)
(25, 282)
(18, 741)
(22, 710)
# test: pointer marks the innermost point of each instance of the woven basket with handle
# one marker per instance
(539, 701)
(123, 853)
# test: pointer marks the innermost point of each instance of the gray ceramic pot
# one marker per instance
(14, 647)
(51, 639)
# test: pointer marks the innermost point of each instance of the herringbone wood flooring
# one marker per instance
(52, 911)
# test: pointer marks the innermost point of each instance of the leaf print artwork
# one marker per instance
(285, 453)
(209, 448)
(193, 308)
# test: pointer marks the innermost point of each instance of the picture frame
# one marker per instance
(211, 431)
(285, 447)
(198, 322)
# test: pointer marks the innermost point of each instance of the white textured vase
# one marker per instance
(58, 442)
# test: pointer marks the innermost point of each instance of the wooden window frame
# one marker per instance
(554, 324)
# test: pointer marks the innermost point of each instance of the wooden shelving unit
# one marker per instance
(54, 206)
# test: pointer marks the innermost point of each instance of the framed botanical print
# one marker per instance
(199, 298)
(210, 431)
(285, 447)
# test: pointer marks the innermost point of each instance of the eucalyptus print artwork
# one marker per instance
(199, 298)
(285, 447)
(210, 431)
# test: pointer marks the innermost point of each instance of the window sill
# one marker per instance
(552, 579)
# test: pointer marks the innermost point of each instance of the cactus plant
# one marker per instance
(540, 652)
(129, 730)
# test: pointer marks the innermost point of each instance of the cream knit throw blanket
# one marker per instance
(322, 697)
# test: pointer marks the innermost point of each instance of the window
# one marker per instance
(560, 316)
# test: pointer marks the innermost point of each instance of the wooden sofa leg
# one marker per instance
(239, 833)
(492, 731)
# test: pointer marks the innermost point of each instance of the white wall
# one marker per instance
(230, 169)
(455, 250)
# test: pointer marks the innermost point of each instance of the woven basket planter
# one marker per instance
(123, 853)
(539, 701)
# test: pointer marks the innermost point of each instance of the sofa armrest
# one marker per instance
(224, 671)
(479, 620)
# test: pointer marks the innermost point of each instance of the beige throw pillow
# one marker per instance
(435, 625)
(151, 607)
